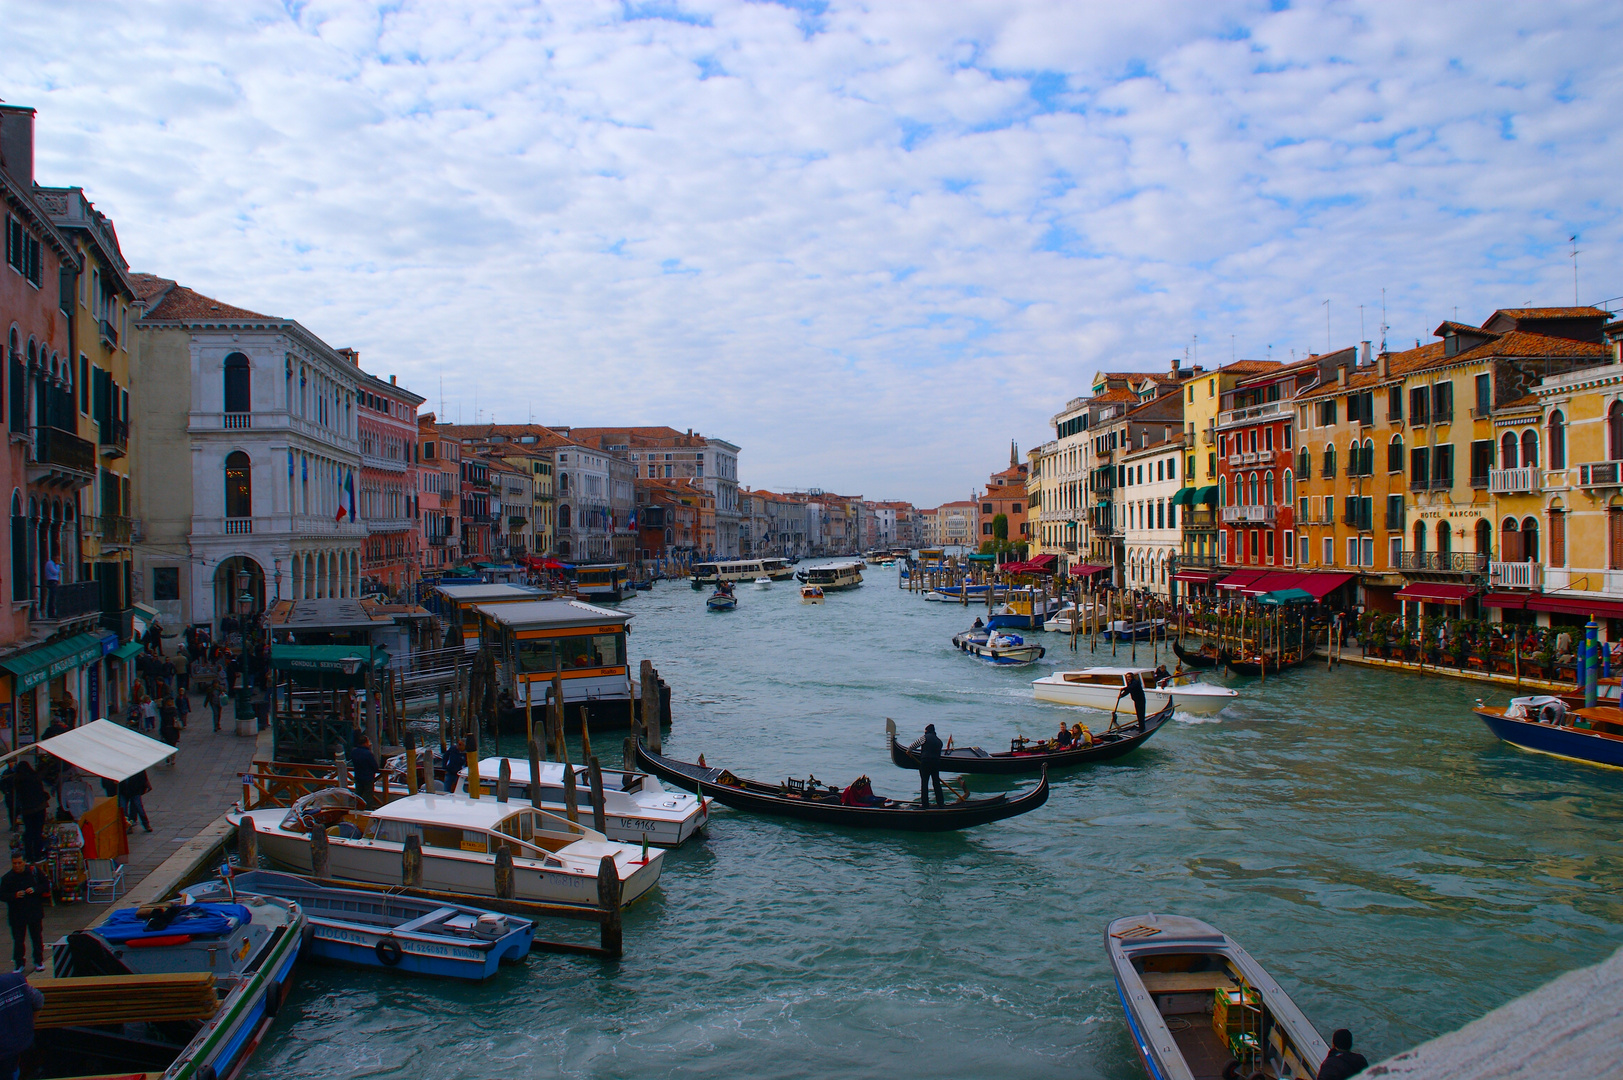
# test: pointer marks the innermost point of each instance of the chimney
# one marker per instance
(1386, 364)
(1341, 374)
(1367, 359)
(352, 355)
(1174, 367)
(17, 144)
(393, 381)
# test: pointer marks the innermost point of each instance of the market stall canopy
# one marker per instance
(103, 748)
(42, 663)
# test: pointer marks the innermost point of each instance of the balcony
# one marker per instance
(1249, 515)
(1480, 481)
(109, 333)
(1600, 474)
(1265, 411)
(114, 438)
(1516, 575)
(1443, 562)
(1070, 547)
(1208, 437)
(1431, 485)
(78, 600)
(1200, 520)
(113, 531)
(61, 458)
(239, 526)
(1264, 457)
(1513, 481)
(1202, 562)
(437, 541)
(1576, 581)
(1236, 460)
(236, 421)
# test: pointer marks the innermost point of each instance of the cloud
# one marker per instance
(869, 243)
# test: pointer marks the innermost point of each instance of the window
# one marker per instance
(1507, 450)
(238, 486)
(1290, 547)
(1394, 551)
(986, 508)
(1329, 551)
(1287, 436)
(19, 549)
(1530, 539)
(1268, 490)
(1211, 466)
(1329, 470)
(1442, 472)
(237, 398)
(1419, 537)
(1269, 535)
(1302, 543)
(1394, 454)
(1327, 413)
(1361, 408)
(1352, 551)
(1394, 403)
(1268, 438)
(22, 251)
(1394, 513)
(1614, 537)
(1419, 467)
(166, 583)
(1510, 541)
(1329, 509)
(1367, 549)
(1222, 544)
(1481, 462)
(1484, 395)
(1254, 544)
(1530, 449)
(1442, 402)
(1290, 489)
(1420, 406)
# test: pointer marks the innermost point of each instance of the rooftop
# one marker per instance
(169, 302)
(545, 614)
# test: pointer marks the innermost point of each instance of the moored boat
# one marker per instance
(636, 806)
(1548, 725)
(1102, 687)
(1195, 1001)
(1254, 665)
(380, 929)
(1028, 757)
(998, 646)
(1207, 656)
(1143, 630)
(810, 800)
(1024, 609)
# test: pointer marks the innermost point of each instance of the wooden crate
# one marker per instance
(1235, 1010)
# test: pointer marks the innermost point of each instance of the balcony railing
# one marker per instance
(1200, 519)
(239, 526)
(1431, 485)
(1250, 515)
(1509, 481)
(1070, 547)
(73, 601)
(1236, 460)
(1517, 575)
(1600, 474)
(1208, 437)
(1480, 480)
(109, 333)
(1255, 412)
(1204, 562)
(114, 438)
(236, 420)
(53, 446)
(1578, 580)
(111, 529)
(1439, 562)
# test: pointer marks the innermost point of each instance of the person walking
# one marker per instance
(53, 578)
(18, 1003)
(24, 890)
(215, 702)
(169, 723)
(183, 670)
(930, 768)
(32, 801)
(130, 791)
(183, 704)
(365, 765)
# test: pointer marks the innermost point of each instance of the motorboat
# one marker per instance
(763, 582)
(373, 928)
(1196, 1001)
(1142, 630)
(1549, 725)
(240, 956)
(555, 860)
(937, 596)
(1102, 687)
(722, 599)
(999, 646)
(1024, 609)
(636, 806)
(1064, 620)
(811, 594)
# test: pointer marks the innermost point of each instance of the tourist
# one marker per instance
(169, 723)
(130, 791)
(365, 765)
(456, 759)
(930, 768)
(1080, 735)
(183, 669)
(1062, 741)
(1134, 690)
(53, 578)
(1341, 1062)
(215, 702)
(24, 890)
(183, 704)
(32, 802)
(18, 1003)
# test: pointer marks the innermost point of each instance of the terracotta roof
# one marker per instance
(545, 437)
(1118, 394)
(1549, 313)
(1449, 326)
(1245, 367)
(649, 436)
(1362, 379)
(169, 302)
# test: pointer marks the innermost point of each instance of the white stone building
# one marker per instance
(1147, 517)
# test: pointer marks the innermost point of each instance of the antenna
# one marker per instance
(1574, 239)
(1384, 327)
(1360, 322)
(1231, 349)
(1327, 326)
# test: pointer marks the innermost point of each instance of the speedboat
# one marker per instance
(1196, 1001)
(998, 646)
(1549, 725)
(763, 582)
(1144, 630)
(1023, 610)
(555, 861)
(1102, 687)
(636, 806)
(373, 928)
(722, 599)
(811, 594)
(1064, 619)
(936, 596)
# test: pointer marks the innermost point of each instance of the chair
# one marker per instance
(104, 880)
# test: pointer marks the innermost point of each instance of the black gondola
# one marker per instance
(1198, 660)
(972, 759)
(1254, 667)
(810, 801)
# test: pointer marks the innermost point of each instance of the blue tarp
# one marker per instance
(194, 920)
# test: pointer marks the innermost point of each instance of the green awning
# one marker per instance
(127, 652)
(340, 659)
(1183, 496)
(1286, 596)
(1207, 495)
(982, 558)
(45, 662)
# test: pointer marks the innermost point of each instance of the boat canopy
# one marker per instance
(550, 614)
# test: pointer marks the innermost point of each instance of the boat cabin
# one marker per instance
(583, 644)
(841, 575)
(1113, 677)
(457, 604)
(712, 573)
(442, 822)
(602, 581)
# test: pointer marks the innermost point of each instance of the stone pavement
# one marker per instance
(187, 796)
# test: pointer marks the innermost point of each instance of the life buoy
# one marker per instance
(273, 997)
(388, 950)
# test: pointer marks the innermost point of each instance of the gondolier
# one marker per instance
(1135, 690)
(930, 768)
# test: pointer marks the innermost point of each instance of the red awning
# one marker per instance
(1432, 593)
(1559, 605)
(1321, 585)
(1197, 577)
(1042, 564)
(1268, 583)
(1239, 579)
(1085, 570)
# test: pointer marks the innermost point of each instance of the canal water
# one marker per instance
(1395, 868)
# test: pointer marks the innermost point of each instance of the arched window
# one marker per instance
(1530, 449)
(237, 384)
(1445, 539)
(1419, 537)
(1329, 461)
(1484, 538)
(1558, 440)
(563, 517)
(1253, 501)
(239, 501)
(1369, 457)
(1614, 432)
(1353, 458)
(1223, 491)
(1290, 488)
(1507, 451)
(1530, 539)
(1268, 489)
(19, 547)
(1394, 454)
(1510, 541)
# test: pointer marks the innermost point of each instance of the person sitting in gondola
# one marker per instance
(1080, 735)
(860, 793)
(1063, 740)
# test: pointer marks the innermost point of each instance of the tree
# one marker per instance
(1000, 527)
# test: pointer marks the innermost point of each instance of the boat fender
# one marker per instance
(273, 997)
(207, 1073)
(388, 950)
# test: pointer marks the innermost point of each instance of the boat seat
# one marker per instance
(1183, 982)
(423, 920)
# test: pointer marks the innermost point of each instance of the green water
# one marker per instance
(1395, 868)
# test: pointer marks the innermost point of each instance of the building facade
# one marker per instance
(390, 483)
(439, 496)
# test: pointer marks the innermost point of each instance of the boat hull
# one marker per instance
(1197, 660)
(1564, 742)
(1008, 656)
(1205, 701)
(1107, 748)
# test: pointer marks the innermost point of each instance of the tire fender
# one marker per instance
(273, 997)
(389, 952)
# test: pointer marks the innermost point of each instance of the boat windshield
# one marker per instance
(580, 651)
(325, 807)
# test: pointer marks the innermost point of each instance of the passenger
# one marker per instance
(978, 624)
(1080, 735)
(365, 763)
(1341, 1062)
(1162, 675)
(456, 759)
(1063, 740)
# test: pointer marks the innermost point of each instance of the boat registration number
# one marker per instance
(639, 824)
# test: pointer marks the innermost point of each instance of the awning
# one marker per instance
(342, 659)
(45, 662)
(1087, 570)
(1321, 585)
(1556, 604)
(1239, 579)
(1286, 596)
(1042, 564)
(1207, 495)
(127, 652)
(1197, 577)
(1272, 582)
(143, 617)
(1183, 496)
(103, 748)
(1431, 592)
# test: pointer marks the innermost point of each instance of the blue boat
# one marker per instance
(1147, 630)
(249, 946)
(371, 928)
(722, 599)
(1548, 725)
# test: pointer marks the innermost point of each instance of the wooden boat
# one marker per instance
(1143, 630)
(1000, 647)
(722, 599)
(1549, 725)
(380, 929)
(810, 800)
(1030, 757)
(1205, 657)
(1253, 665)
(1195, 1001)
(249, 947)
(1101, 688)
(811, 594)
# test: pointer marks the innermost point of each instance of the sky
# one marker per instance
(869, 243)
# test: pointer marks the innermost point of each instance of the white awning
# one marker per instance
(103, 748)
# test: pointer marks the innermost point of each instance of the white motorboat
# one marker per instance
(763, 582)
(554, 860)
(1101, 687)
(1064, 619)
(636, 806)
(937, 597)
(811, 594)
(998, 646)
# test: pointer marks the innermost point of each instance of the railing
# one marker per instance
(1576, 581)
(1249, 514)
(112, 530)
(1480, 480)
(1442, 484)
(1357, 519)
(1070, 547)
(73, 601)
(1513, 480)
(1265, 457)
(1304, 465)
(1208, 437)
(241, 526)
(437, 541)
(1236, 460)
(53, 446)
(232, 420)
(1203, 561)
(114, 436)
(109, 333)
(1200, 519)
(1247, 458)
(1328, 472)
(1517, 575)
(1255, 412)
(1600, 474)
(1452, 562)
(1480, 413)
(1443, 416)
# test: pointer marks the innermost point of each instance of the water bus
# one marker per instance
(603, 582)
(714, 573)
(456, 604)
(831, 576)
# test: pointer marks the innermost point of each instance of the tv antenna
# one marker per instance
(1574, 256)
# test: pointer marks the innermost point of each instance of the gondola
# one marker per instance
(972, 759)
(1254, 667)
(1198, 660)
(810, 800)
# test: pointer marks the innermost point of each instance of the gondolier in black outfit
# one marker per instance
(930, 768)
(1135, 690)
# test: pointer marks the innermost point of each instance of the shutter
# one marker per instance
(1558, 538)
(1510, 545)
(1614, 529)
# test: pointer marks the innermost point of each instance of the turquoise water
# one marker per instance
(1397, 869)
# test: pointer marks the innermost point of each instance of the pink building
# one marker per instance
(386, 422)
